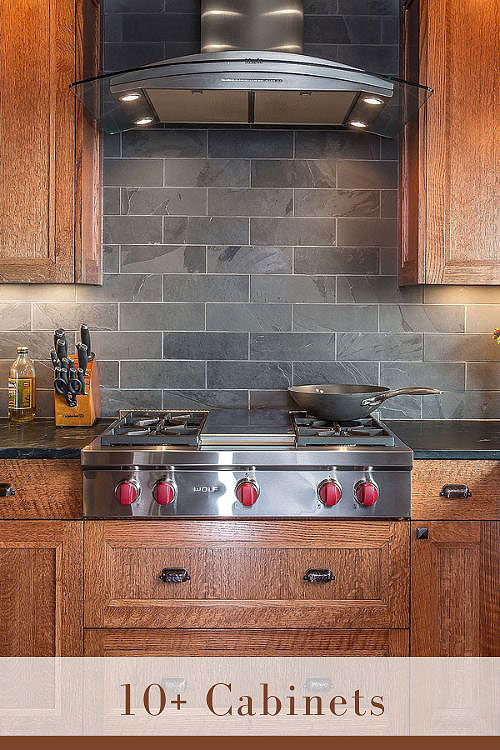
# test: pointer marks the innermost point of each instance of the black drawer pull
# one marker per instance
(455, 492)
(318, 575)
(6, 489)
(174, 575)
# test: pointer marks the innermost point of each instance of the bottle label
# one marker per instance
(20, 393)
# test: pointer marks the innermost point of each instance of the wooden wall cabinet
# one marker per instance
(41, 588)
(454, 588)
(449, 225)
(49, 151)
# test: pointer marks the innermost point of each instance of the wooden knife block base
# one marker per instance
(88, 407)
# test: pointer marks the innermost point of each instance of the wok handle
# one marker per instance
(381, 397)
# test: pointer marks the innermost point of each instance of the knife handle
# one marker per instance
(61, 348)
(85, 338)
(83, 359)
(81, 378)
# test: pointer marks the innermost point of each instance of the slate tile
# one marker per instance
(321, 7)
(206, 230)
(454, 347)
(133, 172)
(165, 143)
(206, 345)
(405, 347)
(164, 201)
(272, 288)
(239, 375)
(205, 288)
(120, 56)
(482, 376)
(207, 172)
(186, 399)
(126, 345)
(335, 318)
(423, 375)
(342, 30)
(249, 259)
(123, 288)
(161, 316)
(389, 207)
(422, 318)
(113, 401)
(250, 144)
(70, 316)
(39, 343)
(381, 58)
(332, 144)
(110, 258)
(369, 7)
(162, 374)
(304, 347)
(367, 174)
(310, 373)
(294, 173)
(111, 201)
(375, 289)
(402, 407)
(249, 202)
(248, 317)
(482, 318)
(292, 231)
(37, 292)
(156, 27)
(336, 260)
(15, 317)
(109, 374)
(389, 261)
(129, 6)
(269, 399)
(132, 230)
(465, 405)
(363, 232)
(163, 259)
(321, 202)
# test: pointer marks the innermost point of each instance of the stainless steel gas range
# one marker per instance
(245, 464)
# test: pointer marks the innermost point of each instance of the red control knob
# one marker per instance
(247, 492)
(330, 493)
(127, 492)
(164, 492)
(366, 493)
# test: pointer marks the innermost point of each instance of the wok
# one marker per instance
(347, 402)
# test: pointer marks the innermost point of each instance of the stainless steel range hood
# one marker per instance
(251, 71)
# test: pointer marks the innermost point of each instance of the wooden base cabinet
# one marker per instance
(454, 588)
(41, 588)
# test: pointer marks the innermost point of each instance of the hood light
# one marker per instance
(144, 121)
(130, 97)
(358, 124)
(285, 12)
(372, 100)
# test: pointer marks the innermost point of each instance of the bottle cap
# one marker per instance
(22, 349)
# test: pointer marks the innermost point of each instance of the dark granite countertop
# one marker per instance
(42, 439)
(431, 439)
(461, 439)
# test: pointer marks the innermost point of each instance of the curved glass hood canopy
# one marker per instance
(249, 73)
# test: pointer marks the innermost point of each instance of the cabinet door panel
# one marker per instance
(455, 574)
(36, 140)
(41, 588)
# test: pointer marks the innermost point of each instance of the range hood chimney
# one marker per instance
(274, 26)
(251, 71)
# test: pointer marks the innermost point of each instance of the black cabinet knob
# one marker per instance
(455, 492)
(422, 532)
(318, 575)
(6, 489)
(174, 575)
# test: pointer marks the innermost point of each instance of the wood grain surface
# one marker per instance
(41, 575)
(45, 488)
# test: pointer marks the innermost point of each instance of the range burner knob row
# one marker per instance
(366, 493)
(247, 491)
(330, 492)
(164, 492)
(127, 491)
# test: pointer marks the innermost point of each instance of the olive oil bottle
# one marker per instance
(22, 388)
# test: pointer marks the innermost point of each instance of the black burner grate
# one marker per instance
(156, 428)
(310, 430)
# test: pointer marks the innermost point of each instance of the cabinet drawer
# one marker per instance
(44, 488)
(245, 574)
(232, 642)
(481, 477)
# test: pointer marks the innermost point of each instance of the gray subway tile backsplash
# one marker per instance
(240, 260)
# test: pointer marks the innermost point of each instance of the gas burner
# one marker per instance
(155, 428)
(312, 431)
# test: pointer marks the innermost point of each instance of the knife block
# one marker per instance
(88, 406)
